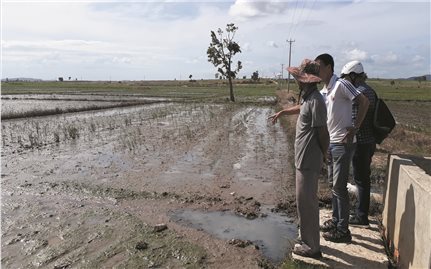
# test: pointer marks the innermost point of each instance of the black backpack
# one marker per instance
(383, 121)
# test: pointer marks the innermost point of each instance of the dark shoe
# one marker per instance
(357, 221)
(305, 251)
(338, 236)
(328, 225)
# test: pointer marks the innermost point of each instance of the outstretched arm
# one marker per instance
(288, 111)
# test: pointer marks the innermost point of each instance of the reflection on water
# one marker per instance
(22, 106)
(42, 102)
(273, 234)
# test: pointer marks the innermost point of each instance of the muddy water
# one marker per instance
(20, 106)
(81, 97)
(273, 234)
(26, 103)
(70, 183)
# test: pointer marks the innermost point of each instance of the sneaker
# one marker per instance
(338, 236)
(355, 220)
(328, 225)
(305, 251)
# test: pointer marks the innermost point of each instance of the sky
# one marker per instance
(166, 40)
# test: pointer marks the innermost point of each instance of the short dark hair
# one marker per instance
(326, 59)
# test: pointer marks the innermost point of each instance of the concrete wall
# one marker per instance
(407, 211)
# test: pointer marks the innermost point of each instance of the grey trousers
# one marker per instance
(308, 207)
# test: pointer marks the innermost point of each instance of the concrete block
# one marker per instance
(407, 212)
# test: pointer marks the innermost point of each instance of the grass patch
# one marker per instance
(387, 89)
(184, 89)
(405, 90)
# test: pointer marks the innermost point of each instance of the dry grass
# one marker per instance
(403, 140)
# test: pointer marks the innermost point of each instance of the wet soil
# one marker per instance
(86, 190)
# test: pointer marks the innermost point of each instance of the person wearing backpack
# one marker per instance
(365, 145)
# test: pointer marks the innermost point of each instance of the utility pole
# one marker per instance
(290, 52)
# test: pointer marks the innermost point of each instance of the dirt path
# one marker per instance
(85, 190)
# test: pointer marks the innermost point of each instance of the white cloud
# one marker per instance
(77, 45)
(250, 9)
(418, 59)
(272, 44)
(390, 57)
(356, 54)
(121, 60)
(387, 58)
(125, 39)
(245, 47)
(195, 60)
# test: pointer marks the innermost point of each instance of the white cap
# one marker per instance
(352, 67)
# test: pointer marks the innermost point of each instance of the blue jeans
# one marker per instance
(338, 174)
(361, 173)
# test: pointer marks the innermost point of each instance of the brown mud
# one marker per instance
(86, 190)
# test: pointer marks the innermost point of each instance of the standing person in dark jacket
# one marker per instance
(365, 145)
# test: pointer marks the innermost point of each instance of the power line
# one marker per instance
(293, 18)
(295, 25)
(306, 15)
(309, 12)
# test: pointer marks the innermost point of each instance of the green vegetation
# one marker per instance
(397, 90)
(207, 89)
(402, 90)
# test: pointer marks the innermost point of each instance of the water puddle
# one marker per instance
(274, 234)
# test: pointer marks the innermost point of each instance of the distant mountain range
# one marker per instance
(427, 77)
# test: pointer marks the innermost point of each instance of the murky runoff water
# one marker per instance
(273, 234)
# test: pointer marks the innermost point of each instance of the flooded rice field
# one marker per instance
(89, 189)
(24, 104)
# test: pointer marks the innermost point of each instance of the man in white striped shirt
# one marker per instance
(339, 95)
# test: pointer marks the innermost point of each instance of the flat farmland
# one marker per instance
(89, 184)
(86, 189)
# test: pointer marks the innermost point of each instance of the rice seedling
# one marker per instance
(188, 133)
(71, 132)
(92, 127)
(34, 140)
(56, 137)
